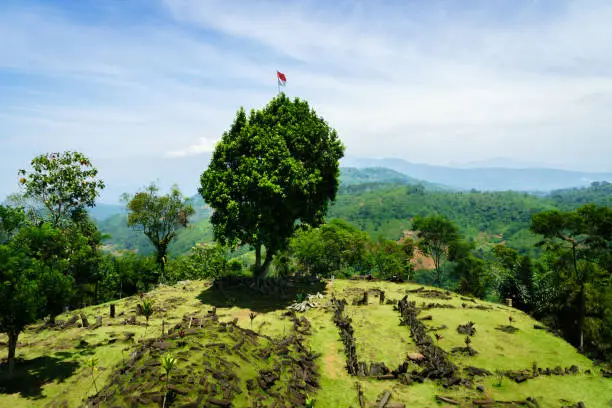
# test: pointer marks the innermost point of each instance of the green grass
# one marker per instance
(52, 368)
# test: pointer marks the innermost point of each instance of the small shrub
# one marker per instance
(92, 363)
(499, 374)
(167, 364)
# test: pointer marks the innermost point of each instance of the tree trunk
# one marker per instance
(582, 299)
(161, 260)
(261, 270)
(12, 347)
(581, 316)
(257, 258)
(436, 260)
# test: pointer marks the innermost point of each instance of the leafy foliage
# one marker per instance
(62, 182)
(159, 217)
(274, 168)
(577, 244)
(330, 248)
(436, 236)
(20, 300)
(206, 261)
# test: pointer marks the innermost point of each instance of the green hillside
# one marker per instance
(119, 236)
(379, 203)
(286, 361)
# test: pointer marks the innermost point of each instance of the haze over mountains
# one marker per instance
(127, 175)
(489, 178)
(185, 171)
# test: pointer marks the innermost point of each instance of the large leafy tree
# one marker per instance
(62, 182)
(578, 243)
(20, 299)
(436, 236)
(274, 169)
(391, 259)
(159, 217)
(51, 250)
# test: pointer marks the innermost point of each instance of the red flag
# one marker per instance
(282, 79)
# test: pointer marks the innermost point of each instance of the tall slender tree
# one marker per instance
(159, 217)
(436, 236)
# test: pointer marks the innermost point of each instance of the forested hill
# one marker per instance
(384, 208)
(488, 217)
(599, 193)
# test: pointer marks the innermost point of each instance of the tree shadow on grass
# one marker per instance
(263, 296)
(30, 376)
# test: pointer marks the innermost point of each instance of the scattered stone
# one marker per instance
(84, 320)
(386, 395)
(219, 403)
(309, 303)
(97, 324)
(363, 301)
(437, 328)
(480, 388)
(434, 294)
(428, 317)
(177, 389)
(507, 329)
(112, 311)
(475, 371)
(447, 400)
(130, 320)
(416, 357)
(71, 322)
(378, 369)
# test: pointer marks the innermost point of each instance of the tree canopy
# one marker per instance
(274, 169)
(577, 243)
(159, 217)
(436, 236)
(62, 182)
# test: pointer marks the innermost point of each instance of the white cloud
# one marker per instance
(435, 83)
(204, 146)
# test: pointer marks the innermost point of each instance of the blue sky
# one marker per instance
(434, 81)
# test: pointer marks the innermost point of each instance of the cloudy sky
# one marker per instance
(137, 82)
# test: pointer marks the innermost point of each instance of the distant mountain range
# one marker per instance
(485, 178)
(131, 174)
(349, 176)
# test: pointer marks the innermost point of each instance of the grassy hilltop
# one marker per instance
(219, 361)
